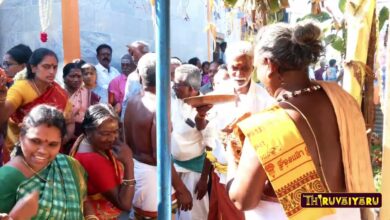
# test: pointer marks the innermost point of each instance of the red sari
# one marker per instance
(104, 174)
(54, 96)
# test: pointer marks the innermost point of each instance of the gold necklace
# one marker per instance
(35, 172)
(315, 140)
(36, 87)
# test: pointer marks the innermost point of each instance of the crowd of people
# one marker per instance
(88, 150)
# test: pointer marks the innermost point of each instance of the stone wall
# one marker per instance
(115, 22)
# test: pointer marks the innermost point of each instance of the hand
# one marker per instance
(26, 208)
(118, 108)
(4, 216)
(184, 199)
(202, 110)
(233, 150)
(123, 153)
(201, 188)
(3, 86)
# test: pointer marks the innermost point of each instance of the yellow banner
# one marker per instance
(286, 160)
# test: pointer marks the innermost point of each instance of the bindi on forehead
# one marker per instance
(43, 139)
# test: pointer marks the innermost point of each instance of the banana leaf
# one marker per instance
(383, 16)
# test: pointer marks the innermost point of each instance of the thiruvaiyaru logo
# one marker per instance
(343, 200)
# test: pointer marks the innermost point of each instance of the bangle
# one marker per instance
(130, 182)
(90, 217)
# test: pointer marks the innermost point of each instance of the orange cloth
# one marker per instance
(221, 208)
(70, 30)
(353, 139)
(354, 143)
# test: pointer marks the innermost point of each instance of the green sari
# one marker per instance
(63, 192)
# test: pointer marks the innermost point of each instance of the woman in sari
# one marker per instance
(99, 151)
(38, 166)
(14, 64)
(80, 97)
(38, 88)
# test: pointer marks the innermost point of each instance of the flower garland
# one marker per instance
(45, 12)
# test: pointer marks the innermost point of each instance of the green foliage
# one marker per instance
(342, 5)
(276, 16)
(376, 160)
(321, 17)
(330, 39)
(339, 44)
(274, 5)
(383, 16)
(230, 3)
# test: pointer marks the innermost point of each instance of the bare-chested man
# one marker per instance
(140, 132)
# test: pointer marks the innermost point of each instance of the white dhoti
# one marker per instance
(273, 210)
(200, 208)
(145, 192)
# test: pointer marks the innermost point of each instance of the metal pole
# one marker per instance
(163, 108)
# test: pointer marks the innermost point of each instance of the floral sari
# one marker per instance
(81, 100)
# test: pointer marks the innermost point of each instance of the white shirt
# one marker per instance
(186, 140)
(133, 87)
(104, 78)
(256, 100)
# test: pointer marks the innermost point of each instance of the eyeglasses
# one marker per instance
(6, 64)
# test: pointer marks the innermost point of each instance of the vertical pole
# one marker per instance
(70, 30)
(163, 108)
(208, 32)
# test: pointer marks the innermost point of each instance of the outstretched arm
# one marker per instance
(246, 180)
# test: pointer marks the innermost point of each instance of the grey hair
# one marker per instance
(237, 49)
(147, 69)
(145, 46)
(291, 47)
(175, 61)
(96, 115)
(189, 74)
